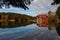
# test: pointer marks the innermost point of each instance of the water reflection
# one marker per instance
(58, 29)
(52, 25)
(16, 24)
(30, 32)
(51, 21)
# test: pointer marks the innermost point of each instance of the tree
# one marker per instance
(58, 11)
(58, 26)
(56, 2)
(16, 3)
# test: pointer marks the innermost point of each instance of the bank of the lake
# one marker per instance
(9, 20)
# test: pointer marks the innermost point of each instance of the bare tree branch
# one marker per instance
(15, 3)
(56, 2)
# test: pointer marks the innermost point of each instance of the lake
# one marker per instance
(28, 32)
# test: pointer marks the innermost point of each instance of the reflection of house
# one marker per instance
(51, 20)
(42, 20)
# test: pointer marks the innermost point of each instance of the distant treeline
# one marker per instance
(21, 19)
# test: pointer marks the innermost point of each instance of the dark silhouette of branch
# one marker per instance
(15, 3)
(56, 2)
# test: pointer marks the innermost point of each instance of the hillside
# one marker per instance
(15, 19)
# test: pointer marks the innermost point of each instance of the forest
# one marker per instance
(58, 26)
(20, 20)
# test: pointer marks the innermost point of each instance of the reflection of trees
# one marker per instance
(58, 26)
(20, 20)
(55, 21)
(57, 13)
(52, 19)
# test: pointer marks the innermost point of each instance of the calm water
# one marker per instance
(29, 32)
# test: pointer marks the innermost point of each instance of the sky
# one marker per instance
(37, 7)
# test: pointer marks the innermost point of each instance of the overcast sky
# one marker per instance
(37, 7)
